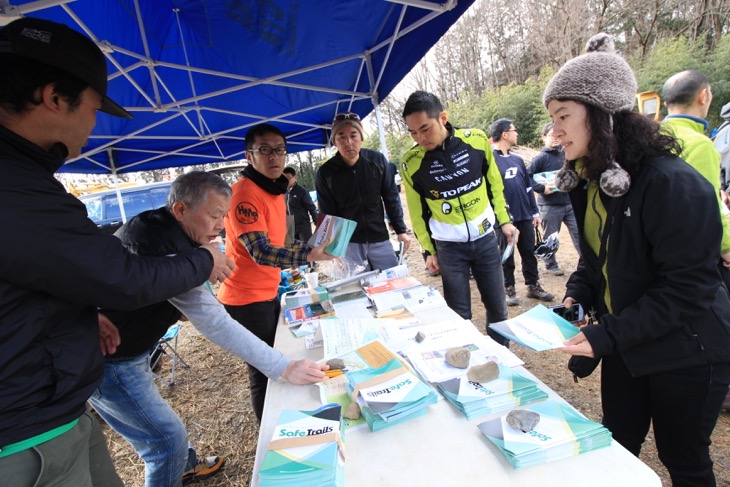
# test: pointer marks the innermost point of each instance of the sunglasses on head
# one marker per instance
(346, 116)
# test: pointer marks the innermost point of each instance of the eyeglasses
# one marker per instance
(346, 116)
(267, 151)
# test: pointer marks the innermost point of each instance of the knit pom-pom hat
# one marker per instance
(601, 78)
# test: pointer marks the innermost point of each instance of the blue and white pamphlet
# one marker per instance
(306, 450)
(509, 390)
(561, 432)
(390, 394)
(538, 329)
(336, 232)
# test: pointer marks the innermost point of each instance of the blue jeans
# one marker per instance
(552, 217)
(129, 401)
(483, 259)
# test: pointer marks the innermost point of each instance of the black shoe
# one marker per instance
(536, 291)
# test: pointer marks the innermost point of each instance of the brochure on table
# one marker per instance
(309, 311)
(343, 335)
(334, 390)
(561, 432)
(306, 449)
(538, 329)
(392, 284)
(414, 299)
(428, 359)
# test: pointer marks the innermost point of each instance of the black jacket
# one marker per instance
(359, 192)
(55, 269)
(670, 308)
(299, 203)
(154, 232)
(549, 159)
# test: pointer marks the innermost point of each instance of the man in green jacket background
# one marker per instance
(687, 96)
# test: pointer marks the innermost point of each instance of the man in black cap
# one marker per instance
(56, 267)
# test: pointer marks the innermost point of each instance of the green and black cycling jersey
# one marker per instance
(454, 192)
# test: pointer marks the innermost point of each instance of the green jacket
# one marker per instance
(454, 193)
(699, 152)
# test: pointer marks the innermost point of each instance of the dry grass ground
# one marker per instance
(212, 396)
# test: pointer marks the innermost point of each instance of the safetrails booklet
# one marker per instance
(390, 394)
(560, 433)
(538, 329)
(306, 450)
(336, 231)
(508, 390)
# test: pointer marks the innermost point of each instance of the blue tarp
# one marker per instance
(197, 73)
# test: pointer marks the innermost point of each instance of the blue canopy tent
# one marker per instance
(197, 73)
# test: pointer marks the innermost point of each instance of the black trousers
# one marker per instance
(526, 248)
(683, 406)
(260, 319)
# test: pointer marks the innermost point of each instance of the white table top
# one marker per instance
(443, 447)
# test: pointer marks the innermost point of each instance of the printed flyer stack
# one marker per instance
(561, 432)
(509, 390)
(389, 395)
(306, 450)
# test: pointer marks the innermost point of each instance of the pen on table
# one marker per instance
(333, 372)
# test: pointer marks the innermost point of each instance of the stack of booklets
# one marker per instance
(307, 312)
(390, 394)
(509, 390)
(335, 232)
(561, 432)
(306, 450)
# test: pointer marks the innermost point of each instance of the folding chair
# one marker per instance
(167, 346)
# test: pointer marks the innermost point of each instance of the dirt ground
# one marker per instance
(212, 397)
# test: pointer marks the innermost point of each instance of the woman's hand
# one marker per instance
(578, 345)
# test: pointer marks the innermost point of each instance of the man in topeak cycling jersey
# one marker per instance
(455, 198)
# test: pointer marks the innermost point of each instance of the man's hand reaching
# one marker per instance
(303, 372)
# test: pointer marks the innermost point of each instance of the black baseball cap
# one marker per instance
(64, 48)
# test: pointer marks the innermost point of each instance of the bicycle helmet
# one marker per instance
(546, 248)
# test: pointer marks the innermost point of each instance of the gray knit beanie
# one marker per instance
(600, 77)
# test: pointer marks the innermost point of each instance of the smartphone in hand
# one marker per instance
(574, 314)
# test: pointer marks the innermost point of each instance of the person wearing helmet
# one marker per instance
(650, 235)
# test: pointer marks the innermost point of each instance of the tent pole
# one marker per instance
(113, 167)
(381, 132)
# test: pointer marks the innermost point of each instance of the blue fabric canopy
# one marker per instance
(197, 73)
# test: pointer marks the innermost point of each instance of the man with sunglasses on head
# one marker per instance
(355, 184)
(256, 231)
